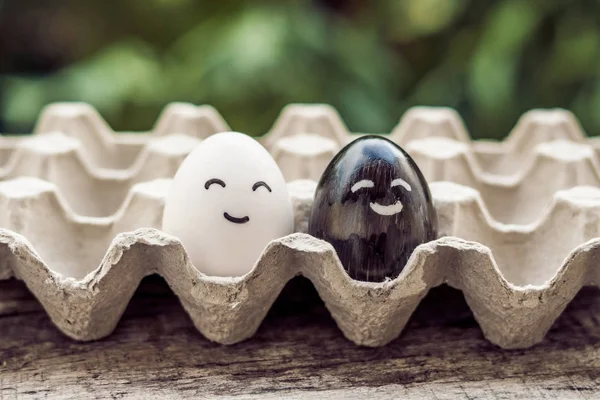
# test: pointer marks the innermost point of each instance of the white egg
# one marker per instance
(227, 201)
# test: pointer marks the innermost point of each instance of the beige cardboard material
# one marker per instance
(83, 258)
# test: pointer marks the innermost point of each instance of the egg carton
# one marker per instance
(523, 275)
(56, 232)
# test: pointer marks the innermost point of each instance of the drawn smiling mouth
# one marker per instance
(236, 220)
(387, 210)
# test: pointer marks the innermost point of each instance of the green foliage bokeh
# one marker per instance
(490, 60)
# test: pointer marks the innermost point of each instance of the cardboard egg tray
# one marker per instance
(519, 221)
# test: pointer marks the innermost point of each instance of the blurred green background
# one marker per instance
(491, 60)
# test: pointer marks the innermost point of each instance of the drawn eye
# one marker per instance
(259, 184)
(401, 182)
(214, 180)
(365, 183)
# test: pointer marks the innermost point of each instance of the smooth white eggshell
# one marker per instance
(195, 215)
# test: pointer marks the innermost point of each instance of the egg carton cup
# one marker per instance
(516, 280)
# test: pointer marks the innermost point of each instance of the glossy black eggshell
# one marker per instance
(372, 246)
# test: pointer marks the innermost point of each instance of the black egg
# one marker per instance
(374, 206)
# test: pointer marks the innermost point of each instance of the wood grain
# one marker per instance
(298, 352)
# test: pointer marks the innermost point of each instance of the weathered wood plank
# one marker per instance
(156, 353)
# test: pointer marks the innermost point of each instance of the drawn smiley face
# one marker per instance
(226, 215)
(385, 210)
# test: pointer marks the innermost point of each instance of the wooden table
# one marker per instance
(298, 352)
